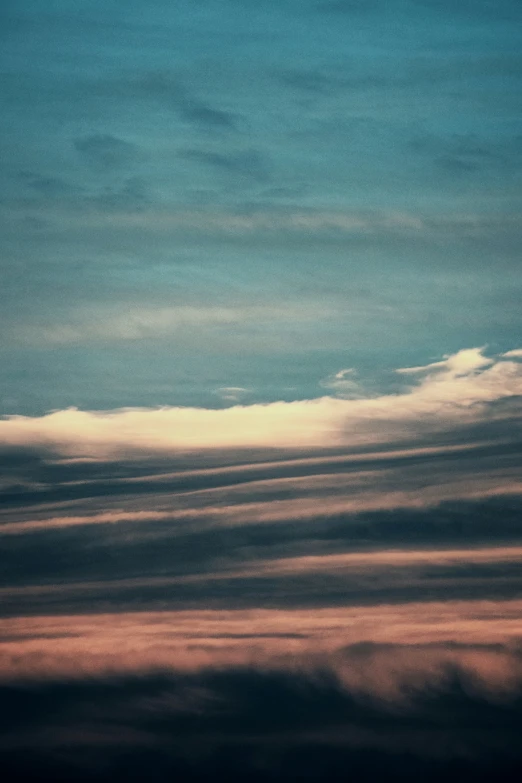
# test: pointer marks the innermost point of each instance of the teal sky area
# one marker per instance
(222, 201)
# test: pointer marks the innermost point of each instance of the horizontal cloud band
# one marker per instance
(466, 388)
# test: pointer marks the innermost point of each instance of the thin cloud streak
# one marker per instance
(348, 562)
(269, 511)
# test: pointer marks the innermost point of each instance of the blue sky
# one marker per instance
(203, 195)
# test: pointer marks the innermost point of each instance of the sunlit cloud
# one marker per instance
(457, 391)
(79, 645)
(462, 363)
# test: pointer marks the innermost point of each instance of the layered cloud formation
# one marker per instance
(261, 394)
(267, 581)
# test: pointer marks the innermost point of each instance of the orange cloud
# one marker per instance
(370, 648)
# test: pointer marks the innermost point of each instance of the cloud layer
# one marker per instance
(461, 390)
(335, 579)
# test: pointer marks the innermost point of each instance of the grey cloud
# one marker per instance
(246, 163)
(172, 93)
(465, 153)
(130, 195)
(49, 186)
(125, 194)
(455, 165)
(103, 149)
(496, 10)
(347, 77)
(409, 72)
(281, 592)
(206, 115)
(351, 7)
(197, 536)
(314, 82)
(467, 145)
(277, 193)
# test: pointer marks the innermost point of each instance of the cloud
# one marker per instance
(232, 393)
(334, 226)
(467, 152)
(490, 10)
(247, 163)
(350, 7)
(48, 186)
(459, 364)
(130, 195)
(433, 689)
(136, 321)
(344, 384)
(105, 150)
(311, 82)
(273, 724)
(460, 391)
(204, 115)
(293, 639)
(190, 108)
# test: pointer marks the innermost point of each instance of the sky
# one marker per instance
(260, 389)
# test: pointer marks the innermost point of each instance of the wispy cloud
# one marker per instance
(232, 393)
(136, 321)
(173, 94)
(248, 163)
(344, 383)
(106, 151)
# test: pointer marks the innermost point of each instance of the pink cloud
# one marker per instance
(409, 643)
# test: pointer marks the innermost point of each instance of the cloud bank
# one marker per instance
(466, 388)
(280, 591)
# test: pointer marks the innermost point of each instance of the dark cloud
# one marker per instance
(289, 592)
(244, 723)
(179, 560)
